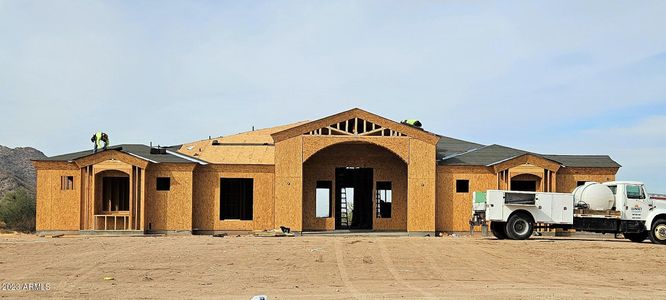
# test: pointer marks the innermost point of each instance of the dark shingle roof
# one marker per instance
(590, 161)
(483, 156)
(493, 154)
(448, 146)
(141, 151)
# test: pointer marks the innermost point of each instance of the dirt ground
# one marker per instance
(330, 267)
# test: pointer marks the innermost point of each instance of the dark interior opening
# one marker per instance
(115, 194)
(236, 198)
(524, 185)
(360, 180)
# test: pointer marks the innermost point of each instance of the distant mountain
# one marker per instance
(16, 169)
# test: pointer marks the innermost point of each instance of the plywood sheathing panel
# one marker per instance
(455, 209)
(58, 209)
(206, 205)
(428, 137)
(54, 165)
(421, 173)
(386, 167)
(110, 155)
(567, 178)
(288, 183)
(398, 145)
(252, 147)
(172, 209)
(527, 159)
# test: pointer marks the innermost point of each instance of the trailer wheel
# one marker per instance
(658, 232)
(519, 226)
(637, 237)
(497, 228)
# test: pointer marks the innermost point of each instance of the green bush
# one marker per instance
(17, 210)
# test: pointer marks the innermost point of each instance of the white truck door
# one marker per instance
(636, 202)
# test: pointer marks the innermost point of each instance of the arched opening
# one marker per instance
(356, 186)
(526, 182)
(112, 200)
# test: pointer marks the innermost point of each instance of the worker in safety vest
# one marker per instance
(98, 138)
(412, 122)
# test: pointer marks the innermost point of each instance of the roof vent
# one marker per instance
(158, 151)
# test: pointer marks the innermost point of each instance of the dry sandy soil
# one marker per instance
(327, 267)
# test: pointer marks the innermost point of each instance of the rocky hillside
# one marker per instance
(16, 170)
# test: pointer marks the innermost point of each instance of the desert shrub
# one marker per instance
(17, 210)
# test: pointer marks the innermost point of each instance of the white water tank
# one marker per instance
(596, 195)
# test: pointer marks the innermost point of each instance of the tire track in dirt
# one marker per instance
(339, 257)
(83, 273)
(395, 274)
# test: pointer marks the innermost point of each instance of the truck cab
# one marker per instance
(631, 199)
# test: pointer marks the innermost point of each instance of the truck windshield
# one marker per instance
(635, 192)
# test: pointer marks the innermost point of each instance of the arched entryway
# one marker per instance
(355, 185)
(526, 182)
(112, 200)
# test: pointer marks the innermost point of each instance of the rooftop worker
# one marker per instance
(412, 122)
(98, 138)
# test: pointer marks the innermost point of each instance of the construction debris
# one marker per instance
(273, 233)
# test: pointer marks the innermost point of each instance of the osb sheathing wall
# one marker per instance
(288, 183)
(567, 178)
(454, 209)
(57, 209)
(206, 205)
(421, 191)
(169, 210)
(386, 167)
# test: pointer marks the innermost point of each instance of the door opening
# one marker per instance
(353, 198)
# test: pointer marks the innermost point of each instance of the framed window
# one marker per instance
(462, 186)
(323, 199)
(163, 183)
(384, 199)
(635, 192)
(236, 198)
(66, 183)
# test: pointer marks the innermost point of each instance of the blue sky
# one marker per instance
(565, 77)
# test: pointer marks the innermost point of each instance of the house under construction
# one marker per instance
(351, 170)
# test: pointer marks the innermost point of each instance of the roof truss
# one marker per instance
(355, 127)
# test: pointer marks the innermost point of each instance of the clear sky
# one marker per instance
(562, 77)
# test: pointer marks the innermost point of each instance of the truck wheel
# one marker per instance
(519, 227)
(637, 237)
(497, 228)
(658, 232)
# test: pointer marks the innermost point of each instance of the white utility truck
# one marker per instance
(611, 207)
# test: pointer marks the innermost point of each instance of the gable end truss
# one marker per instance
(355, 127)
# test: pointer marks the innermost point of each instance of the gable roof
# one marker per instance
(410, 131)
(495, 154)
(136, 150)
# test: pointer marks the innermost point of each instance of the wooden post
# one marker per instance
(142, 199)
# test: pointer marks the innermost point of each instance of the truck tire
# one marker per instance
(519, 226)
(658, 232)
(637, 237)
(497, 228)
